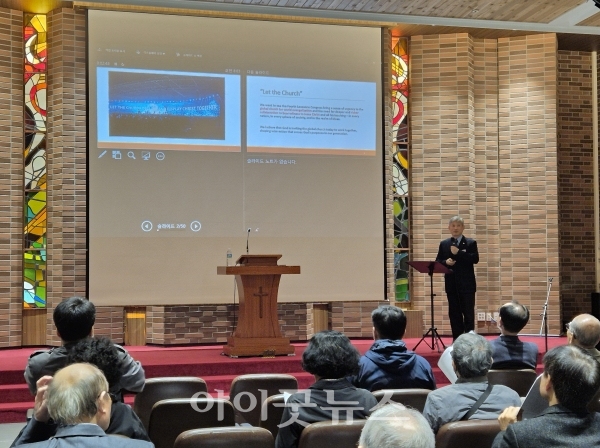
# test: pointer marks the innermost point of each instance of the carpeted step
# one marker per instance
(14, 412)
(12, 376)
(12, 393)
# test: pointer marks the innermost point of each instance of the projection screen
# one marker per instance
(205, 133)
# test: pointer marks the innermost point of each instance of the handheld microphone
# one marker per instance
(248, 239)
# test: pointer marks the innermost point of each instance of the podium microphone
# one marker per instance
(247, 239)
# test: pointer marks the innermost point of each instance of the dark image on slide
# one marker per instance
(166, 106)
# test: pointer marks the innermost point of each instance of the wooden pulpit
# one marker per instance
(257, 332)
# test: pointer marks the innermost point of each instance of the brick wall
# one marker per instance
(528, 178)
(110, 322)
(11, 177)
(442, 153)
(66, 159)
(354, 318)
(487, 201)
(484, 141)
(575, 186)
(166, 325)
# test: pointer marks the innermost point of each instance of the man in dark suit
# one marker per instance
(508, 351)
(571, 378)
(460, 254)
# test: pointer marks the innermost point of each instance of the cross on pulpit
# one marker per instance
(257, 277)
(260, 294)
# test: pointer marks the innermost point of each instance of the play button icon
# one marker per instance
(146, 226)
(195, 226)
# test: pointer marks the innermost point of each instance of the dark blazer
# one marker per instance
(555, 427)
(462, 280)
(123, 422)
(509, 352)
(83, 435)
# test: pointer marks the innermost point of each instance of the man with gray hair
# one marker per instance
(459, 254)
(471, 397)
(78, 401)
(584, 331)
(395, 426)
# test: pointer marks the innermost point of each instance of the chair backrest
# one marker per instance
(156, 389)
(533, 403)
(415, 398)
(271, 413)
(480, 433)
(246, 436)
(341, 434)
(248, 392)
(519, 380)
(169, 418)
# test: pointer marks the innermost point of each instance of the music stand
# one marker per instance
(430, 268)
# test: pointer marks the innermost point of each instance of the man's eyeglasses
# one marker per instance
(569, 329)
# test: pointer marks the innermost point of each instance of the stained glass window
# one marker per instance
(34, 157)
(400, 169)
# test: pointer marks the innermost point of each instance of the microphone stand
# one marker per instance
(544, 315)
(248, 239)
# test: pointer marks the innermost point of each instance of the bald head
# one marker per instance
(78, 394)
(585, 329)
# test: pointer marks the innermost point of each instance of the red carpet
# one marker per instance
(203, 361)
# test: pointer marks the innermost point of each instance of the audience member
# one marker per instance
(78, 401)
(395, 426)
(584, 331)
(330, 357)
(74, 320)
(388, 364)
(571, 378)
(508, 351)
(471, 359)
(102, 353)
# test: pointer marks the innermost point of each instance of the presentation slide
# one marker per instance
(311, 116)
(168, 110)
(211, 135)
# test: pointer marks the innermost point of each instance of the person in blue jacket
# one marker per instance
(388, 364)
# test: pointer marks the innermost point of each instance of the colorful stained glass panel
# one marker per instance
(34, 161)
(34, 279)
(400, 171)
(401, 276)
(399, 83)
(35, 218)
(399, 87)
(401, 223)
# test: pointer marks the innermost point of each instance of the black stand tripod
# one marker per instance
(429, 268)
(545, 315)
